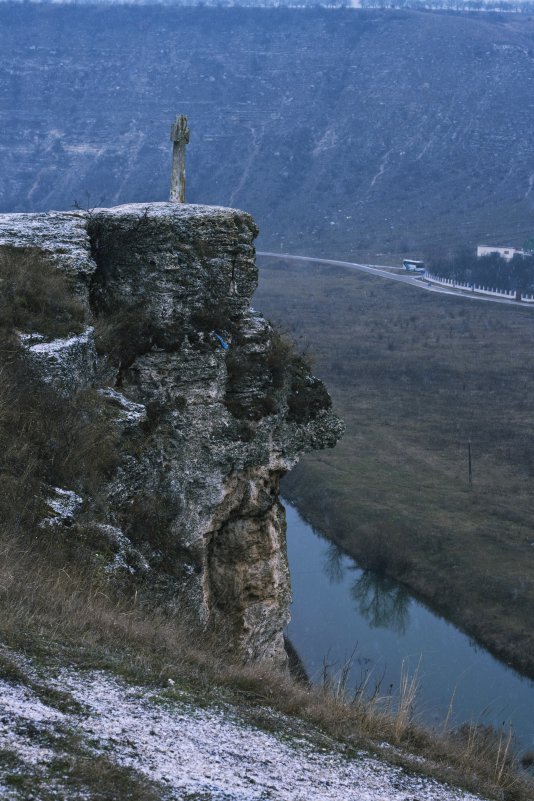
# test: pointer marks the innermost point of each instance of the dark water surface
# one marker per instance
(339, 609)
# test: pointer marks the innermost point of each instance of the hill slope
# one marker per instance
(338, 130)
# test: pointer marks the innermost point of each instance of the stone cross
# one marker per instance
(179, 139)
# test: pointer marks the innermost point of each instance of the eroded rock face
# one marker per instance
(222, 407)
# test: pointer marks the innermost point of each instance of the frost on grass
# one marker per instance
(194, 750)
(208, 752)
(23, 719)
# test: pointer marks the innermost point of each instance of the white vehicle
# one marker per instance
(414, 266)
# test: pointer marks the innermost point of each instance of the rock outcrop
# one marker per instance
(212, 404)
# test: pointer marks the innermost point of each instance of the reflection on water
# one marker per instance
(333, 563)
(381, 601)
(342, 614)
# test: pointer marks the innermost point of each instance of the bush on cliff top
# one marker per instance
(35, 296)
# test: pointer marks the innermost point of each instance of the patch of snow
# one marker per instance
(125, 551)
(59, 346)
(68, 364)
(65, 503)
(29, 339)
(204, 751)
(211, 751)
(62, 235)
(166, 208)
(130, 412)
(22, 714)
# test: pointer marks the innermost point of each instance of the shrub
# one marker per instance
(45, 439)
(213, 318)
(307, 398)
(280, 356)
(36, 296)
(147, 522)
(129, 332)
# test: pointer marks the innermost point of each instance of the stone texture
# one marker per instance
(68, 364)
(212, 407)
(61, 235)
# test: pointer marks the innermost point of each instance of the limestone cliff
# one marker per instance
(212, 405)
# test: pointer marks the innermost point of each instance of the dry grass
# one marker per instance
(55, 609)
(45, 440)
(36, 297)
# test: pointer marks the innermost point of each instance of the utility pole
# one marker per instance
(179, 139)
(469, 464)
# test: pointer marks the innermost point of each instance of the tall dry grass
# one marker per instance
(56, 608)
(59, 609)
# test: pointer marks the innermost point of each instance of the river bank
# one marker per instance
(345, 620)
(416, 378)
(464, 605)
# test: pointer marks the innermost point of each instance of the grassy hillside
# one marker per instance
(64, 613)
(415, 377)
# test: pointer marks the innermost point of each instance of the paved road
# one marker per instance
(416, 281)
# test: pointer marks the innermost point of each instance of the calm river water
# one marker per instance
(339, 609)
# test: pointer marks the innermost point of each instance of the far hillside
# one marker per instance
(417, 377)
(402, 131)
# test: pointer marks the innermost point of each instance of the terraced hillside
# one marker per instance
(340, 130)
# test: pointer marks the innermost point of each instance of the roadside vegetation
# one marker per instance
(59, 606)
(491, 271)
(418, 377)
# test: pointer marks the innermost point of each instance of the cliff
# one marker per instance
(146, 416)
(209, 404)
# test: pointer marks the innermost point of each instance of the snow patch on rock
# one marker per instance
(68, 364)
(130, 413)
(127, 556)
(65, 504)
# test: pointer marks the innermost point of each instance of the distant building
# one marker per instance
(414, 265)
(505, 253)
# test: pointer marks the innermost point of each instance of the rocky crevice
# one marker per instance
(212, 405)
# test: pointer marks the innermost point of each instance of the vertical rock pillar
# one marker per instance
(179, 138)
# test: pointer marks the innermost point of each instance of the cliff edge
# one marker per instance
(211, 406)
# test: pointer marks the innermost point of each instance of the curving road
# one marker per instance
(416, 281)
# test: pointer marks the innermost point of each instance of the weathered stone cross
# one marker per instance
(179, 138)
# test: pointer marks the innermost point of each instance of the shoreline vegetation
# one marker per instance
(417, 378)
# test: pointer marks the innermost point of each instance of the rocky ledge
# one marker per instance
(211, 404)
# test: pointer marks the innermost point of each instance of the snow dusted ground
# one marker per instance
(196, 752)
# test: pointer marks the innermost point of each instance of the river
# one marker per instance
(340, 611)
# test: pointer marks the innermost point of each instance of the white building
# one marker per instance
(505, 253)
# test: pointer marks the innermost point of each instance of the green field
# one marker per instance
(415, 377)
